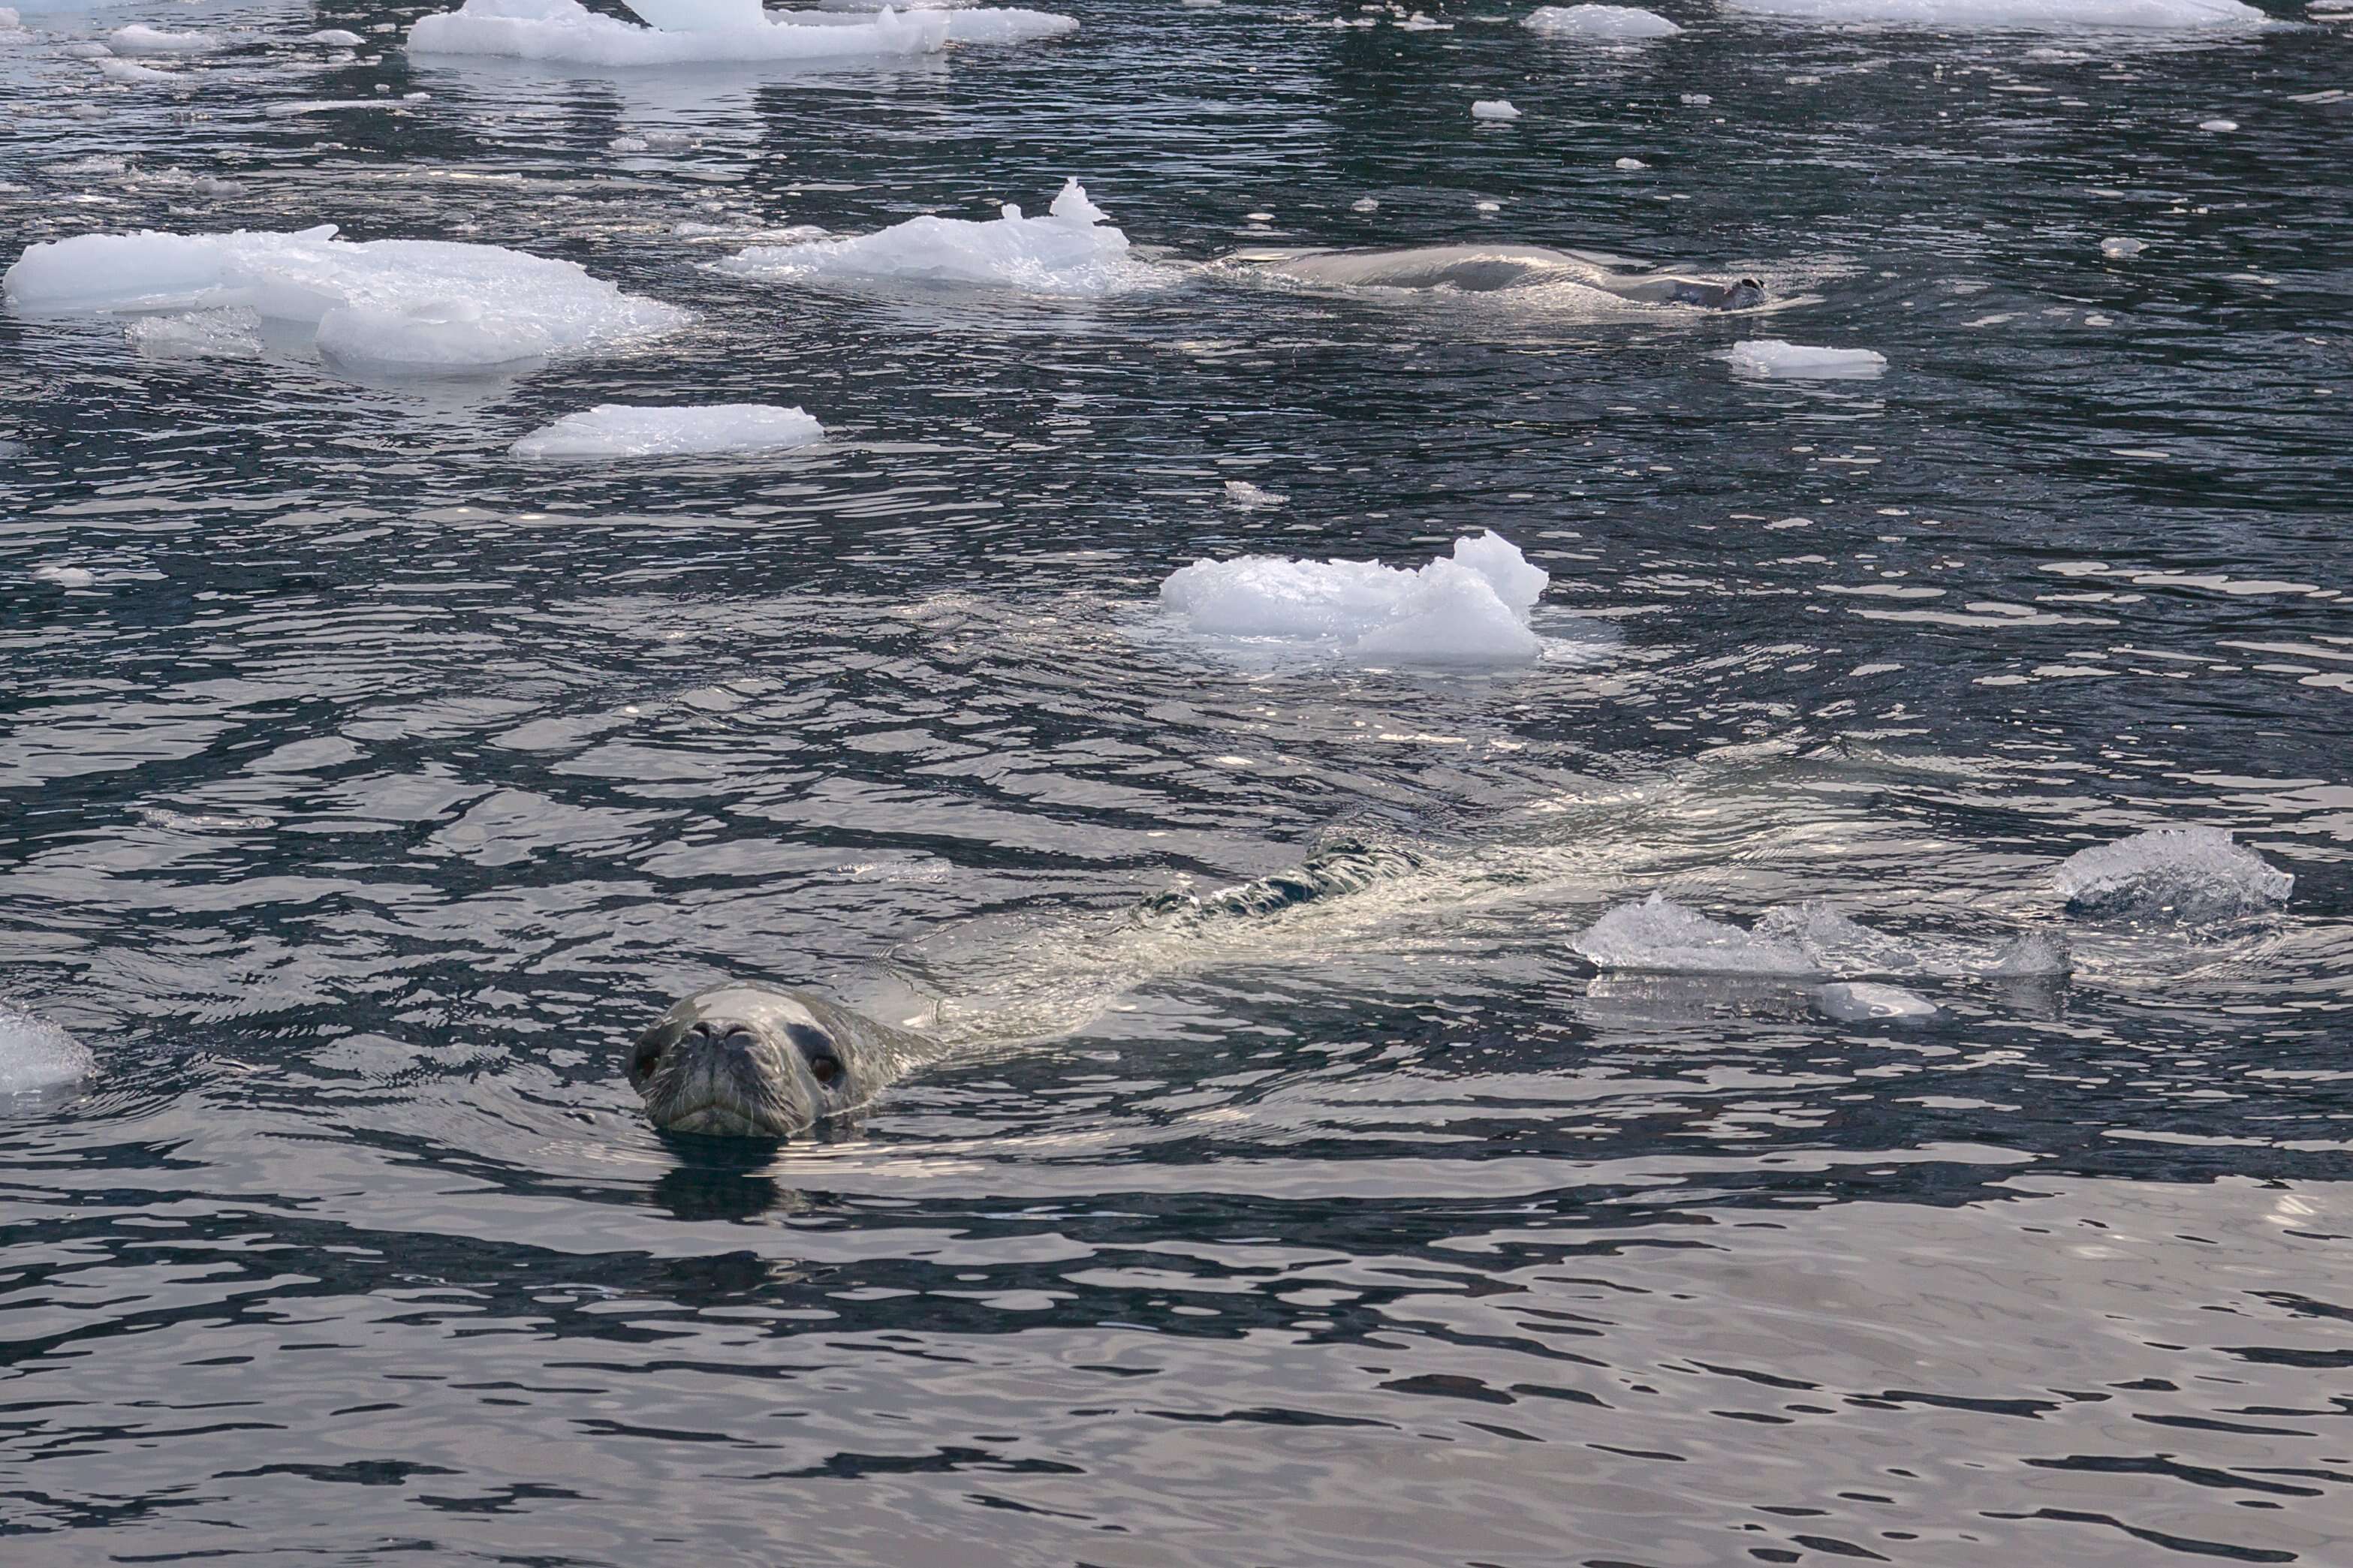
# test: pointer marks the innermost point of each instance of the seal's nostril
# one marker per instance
(701, 1031)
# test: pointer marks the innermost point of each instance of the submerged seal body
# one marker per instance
(1494, 268)
(751, 1060)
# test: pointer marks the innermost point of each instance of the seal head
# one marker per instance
(750, 1060)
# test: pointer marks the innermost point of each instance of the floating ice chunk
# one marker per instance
(1838, 945)
(2192, 875)
(1607, 24)
(10, 21)
(1469, 608)
(698, 15)
(1630, 164)
(1777, 357)
(568, 31)
(2218, 125)
(2033, 956)
(64, 577)
(2035, 15)
(1074, 250)
(1867, 1003)
(138, 39)
(234, 332)
(1697, 99)
(136, 75)
(1366, 205)
(2122, 249)
(404, 304)
(336, 38)
(1493, 108)
(35, 1054)
(1661, 936)
(617, 430)
(1249, 497)
(1422, 22)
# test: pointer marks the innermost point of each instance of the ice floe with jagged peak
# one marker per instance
(2022, 15)
(1802, 940)
(402, 306)
(1075, 250)
(2192, 876)
(1602, 24)
(1468, 608)
(1779, 358)
(37, 1055)
(568, 32)
(615, 430)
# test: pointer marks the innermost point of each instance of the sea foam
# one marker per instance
(413, 305)
(1468, 608)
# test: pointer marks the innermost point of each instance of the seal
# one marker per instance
(1496, 269)
(748, 1059)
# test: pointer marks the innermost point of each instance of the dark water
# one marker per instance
(379, 787)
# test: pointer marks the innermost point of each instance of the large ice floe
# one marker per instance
(1074, 251)
(702, 32)
(613, 430)
(2188, 875)
(2024, 16)
(401, 306)
(1779, 358)
(1600, 24)
(36, 1055)
(1468, 608)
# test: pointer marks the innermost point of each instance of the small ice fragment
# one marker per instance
(1779, 357)
(2032, 956)
(138, 39)
(1249, 497)
(335, 37)
(1662, 936)
(2188, 875)
(617, 430)
(35, 1054)
(1859, 1003)
(1490, 206)
(1630, 163)
(1470, 608)
(1075, 251)
(1697, 100)
(124, 71)
(1836, 943)
(1606, 24)
(2218, 125)
(1203, 5)
(10, 21)
(232, 333)
(1365, 204)
(64, 576)
(1421, 22)
(1493, 108)
(627, 144)
(1258, 217)
(2122, 249)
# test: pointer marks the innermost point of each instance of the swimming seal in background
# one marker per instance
(1493, 269)
(748, 1059)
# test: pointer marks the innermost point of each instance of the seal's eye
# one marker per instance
(823, 1062)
